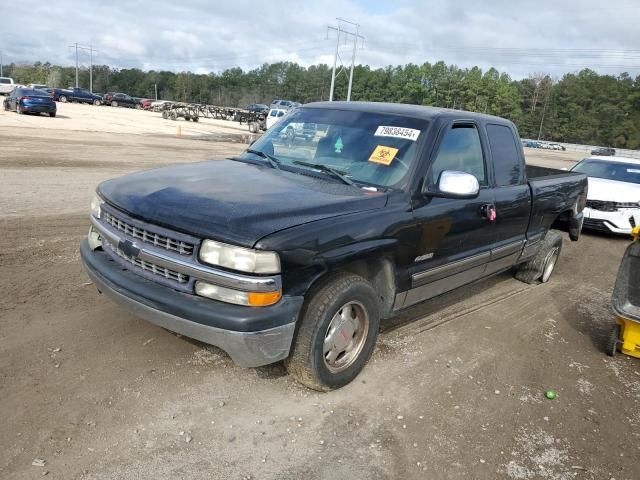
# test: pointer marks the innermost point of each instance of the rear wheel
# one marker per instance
(542, 265)
(52, 114)
(337, 333)
(18, 111)
(253, 127)
(114, 103)
(96, 102)
(195, 119)
(62, 98)
(138, 106)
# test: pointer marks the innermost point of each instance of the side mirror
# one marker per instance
(453, 184)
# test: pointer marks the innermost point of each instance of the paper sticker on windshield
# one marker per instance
(397, 132)
(383, 155)
(633, 170)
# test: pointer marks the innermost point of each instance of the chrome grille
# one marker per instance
(152, 238)
(150, 267)
(602, 206)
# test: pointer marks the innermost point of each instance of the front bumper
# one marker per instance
(621, 221)
(251, 336)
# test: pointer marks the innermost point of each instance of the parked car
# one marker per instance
(37, 86)
(29, 100)
(6, 85)
(603, 152)
(557, 146)
(532, 144)
(257, 107)
(296, 252)
(121, 100)
(284, 104)
(274, 116)
(613, 202)
(145, 103)
(78, 95)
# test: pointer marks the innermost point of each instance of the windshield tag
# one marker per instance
(339, 145)
(383, 155)
(397, 132)
(633, 170)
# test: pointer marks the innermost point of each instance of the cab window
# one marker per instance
(460, 151)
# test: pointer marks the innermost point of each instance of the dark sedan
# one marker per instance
(121, 100)
(28, 100)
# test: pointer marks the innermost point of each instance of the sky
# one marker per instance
(516, 37)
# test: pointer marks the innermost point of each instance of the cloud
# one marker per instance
(200, 35)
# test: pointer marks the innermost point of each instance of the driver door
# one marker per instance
(454, 236)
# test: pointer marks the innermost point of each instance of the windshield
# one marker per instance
(367, 148)
(621, 172)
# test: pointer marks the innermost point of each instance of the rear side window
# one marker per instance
(5, 80)
(460, 151)
(506, 160)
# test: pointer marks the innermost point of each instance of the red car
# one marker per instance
(146, 103)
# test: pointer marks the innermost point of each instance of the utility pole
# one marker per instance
(0, 64)
(76, 64)
(544, 109)
(335, 59)
(91, 50)
(155, 85)
(356, 35)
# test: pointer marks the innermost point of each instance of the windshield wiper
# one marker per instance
(323, 168)
(273, 161)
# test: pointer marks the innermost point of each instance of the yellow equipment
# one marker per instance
(625, 336)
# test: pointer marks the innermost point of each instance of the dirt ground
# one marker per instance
(455, 388)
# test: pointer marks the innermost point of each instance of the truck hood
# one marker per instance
(232, 201)
(613, 191)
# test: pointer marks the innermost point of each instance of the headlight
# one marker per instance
(96, 204)
(227, 295)
(239, 258)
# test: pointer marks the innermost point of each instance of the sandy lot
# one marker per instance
(454, 388)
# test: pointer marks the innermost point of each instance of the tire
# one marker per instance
(541, 266)
(253, 128)
(343, 305)
(114, 103)
(612, 343)
(195, 119)
(290, 136)
(187, 118)
(138, 106)
(63, 98)
(52, 114)
(96, 103)
(18, 111)
(165, 114)
(173, 116)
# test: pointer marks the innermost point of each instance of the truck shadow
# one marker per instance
(429, 311)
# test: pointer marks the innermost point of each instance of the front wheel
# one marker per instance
(542, 265)
(62, 98)
(337, 333)
(96, 102)
(52, 114)
(114, 104)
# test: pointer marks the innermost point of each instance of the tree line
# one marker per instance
(583, 107)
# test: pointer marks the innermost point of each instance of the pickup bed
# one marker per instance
(299, 247)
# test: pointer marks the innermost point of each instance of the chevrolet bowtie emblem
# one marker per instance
(128, 248)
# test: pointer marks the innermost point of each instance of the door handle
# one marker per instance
(488, 211)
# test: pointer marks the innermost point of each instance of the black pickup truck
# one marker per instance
(295, 250)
